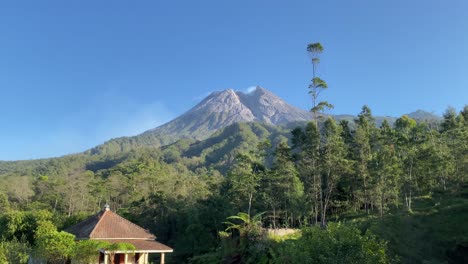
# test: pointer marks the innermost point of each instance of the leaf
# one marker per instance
(315, 48)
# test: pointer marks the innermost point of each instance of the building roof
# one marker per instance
(107, 224)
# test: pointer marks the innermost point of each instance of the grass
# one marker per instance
(435, 231)
(281, 238)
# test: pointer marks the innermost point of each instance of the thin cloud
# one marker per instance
(123, 116)
(250, 89)
(106, 116)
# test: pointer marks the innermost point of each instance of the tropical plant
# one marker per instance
(249, 236)
(87, 251)
(114, 248)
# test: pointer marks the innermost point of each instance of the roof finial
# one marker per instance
(106, 207)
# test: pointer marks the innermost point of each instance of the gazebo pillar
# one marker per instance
(162, 258)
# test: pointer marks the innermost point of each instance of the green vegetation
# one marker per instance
(435, 231)
(359, 192)
(335, 244)
(34, 233)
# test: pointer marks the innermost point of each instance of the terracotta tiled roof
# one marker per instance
(107, 224)
(143, 245)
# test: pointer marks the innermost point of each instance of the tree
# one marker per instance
(52, 245)
(363, 154)
(3, 258)
(464, 114)
(22, 225)
(247, 224)
(244, 179)
(386, 169)
(334, 163)
(282, 186)
(315, 88)
(19, 189)
(407, 147)
(4, 203)
(317, 85)
(247, 232)
(14, 251)
(450, 120)
(306, 145)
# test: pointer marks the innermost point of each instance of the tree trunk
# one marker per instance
(410, 184)
(274, 218)
(250, 203)
(365, 196)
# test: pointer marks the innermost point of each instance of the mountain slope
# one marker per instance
(269, 108)
(217, 111)
(222, 109)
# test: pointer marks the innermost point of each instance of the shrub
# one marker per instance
(335, 244)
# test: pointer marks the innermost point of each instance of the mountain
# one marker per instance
(224, 108)
(421, 115)
(216, 111)
(418, 115)
(221, 109)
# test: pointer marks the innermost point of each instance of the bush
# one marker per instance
(335, 244)
(14, 251)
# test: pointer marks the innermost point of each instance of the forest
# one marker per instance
(362, 177)
(352, 192)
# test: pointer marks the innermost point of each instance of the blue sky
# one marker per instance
(74, 74)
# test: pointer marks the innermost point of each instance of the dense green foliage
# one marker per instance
(14, 251)
(372, 178)
(435, 232)
(335, 244)
(184, 192)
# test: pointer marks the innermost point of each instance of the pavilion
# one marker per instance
(111, 227)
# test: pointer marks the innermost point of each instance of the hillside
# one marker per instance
(216, 111)
(435, 232)
(217, 151)
(223, 108)
(184, 191)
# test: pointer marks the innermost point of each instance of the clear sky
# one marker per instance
(74, 74)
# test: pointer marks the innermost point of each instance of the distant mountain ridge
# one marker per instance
(221, 109)
(422, 115)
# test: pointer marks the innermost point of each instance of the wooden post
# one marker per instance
(162, 258)
(125, 258)
(106, 258)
